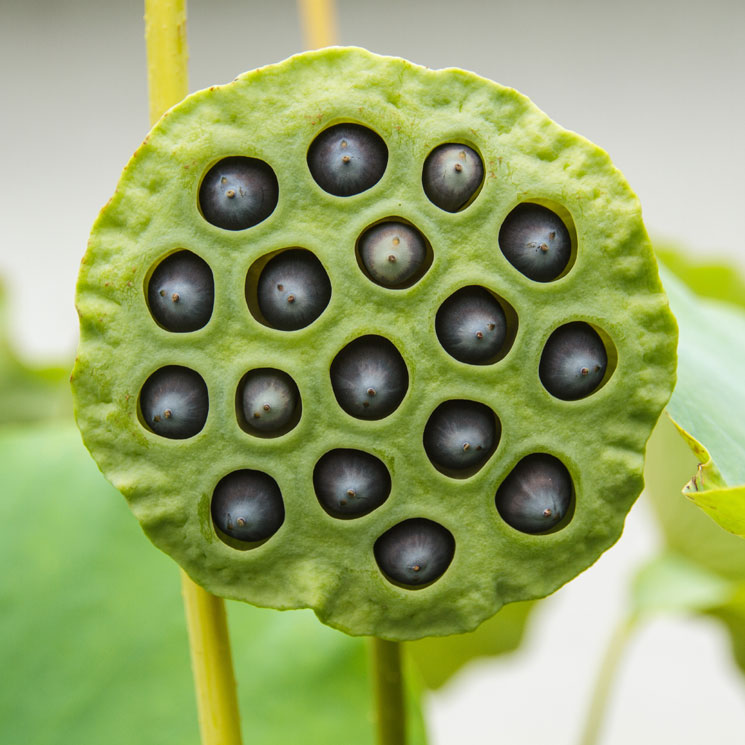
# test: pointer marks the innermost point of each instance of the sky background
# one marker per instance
(658, 85)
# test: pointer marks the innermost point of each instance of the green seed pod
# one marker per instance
(359, 574)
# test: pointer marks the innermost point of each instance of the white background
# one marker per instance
(659, 85)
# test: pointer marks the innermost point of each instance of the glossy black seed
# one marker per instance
(238, 193)
(181, 292)
(351, 483)
(471, 325)
(174, 402)
(573, 361)
(347, 159)
(536, 495)
(247, 506)
(369, 378)
(392, 253)
(460, 435)
(536, 242)
(415, 552)
(269, 400)
(293, 290)
(452, 175)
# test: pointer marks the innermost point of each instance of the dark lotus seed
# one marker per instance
(269, 400)
(471, 325)
(392, 253)
(573, 361)
(369, 378)
(460, 435)
(174, 402)
(238, 193)
(347, 159)
(536, 494)
(536, 242)
(351, 483)
(415, 552)
(293, 290)
(452, 175)
(247, 506)
(181, 292)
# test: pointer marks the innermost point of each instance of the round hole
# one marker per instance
(267, 403)
(238, 193)
(351, 483)
(535, 240)
(537, 494)
(452, 176)
(174, 402)
(347, 159)
(292, 289)
(247, 508)
(369, 378)
(460, 436)
(181, 292)
(472, 327)
(393, 254)
(573, 362)
(415, 553)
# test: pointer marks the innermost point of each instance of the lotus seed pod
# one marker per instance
(369, 378)
(247, 506)
(536, 495)
(293, 290)
(269, 401)
(181, 292)
(361, 335)
(460, 435)
(347, 159)
(393, 253)
(573, 362)
(415, 553)
(452, 175)
(351, 483)
(471, 325)
(174, 402)
(536, 242)
(238, 193)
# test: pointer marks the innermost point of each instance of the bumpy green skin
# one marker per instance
(314, 559)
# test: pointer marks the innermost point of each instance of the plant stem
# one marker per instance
(389, 692)
(217, 703)
(604, 682)
(318, 19)
(167, 54)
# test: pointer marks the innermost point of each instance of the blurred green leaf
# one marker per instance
(716, 280)
(709, 401)
(672, 583)
(29, 393)
(438, 659)
(94, 647)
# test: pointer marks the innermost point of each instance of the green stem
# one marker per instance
(389, 692)
(217, 703)
(604, 682)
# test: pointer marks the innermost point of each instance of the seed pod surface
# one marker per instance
(347, 340)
